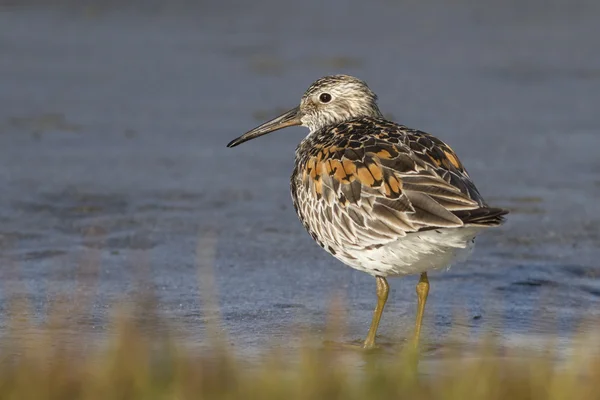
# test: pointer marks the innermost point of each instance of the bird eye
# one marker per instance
(325, 97)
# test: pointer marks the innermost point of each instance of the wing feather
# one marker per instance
(396, 182)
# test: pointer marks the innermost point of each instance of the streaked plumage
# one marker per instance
(365, 186)
(380, 197)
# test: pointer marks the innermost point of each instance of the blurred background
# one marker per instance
(114, 116)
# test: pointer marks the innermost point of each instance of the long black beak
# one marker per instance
(289, 118)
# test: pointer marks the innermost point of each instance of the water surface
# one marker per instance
(114, 173)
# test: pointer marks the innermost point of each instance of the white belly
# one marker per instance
(414, 253)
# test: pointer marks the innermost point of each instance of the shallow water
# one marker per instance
(114, 173)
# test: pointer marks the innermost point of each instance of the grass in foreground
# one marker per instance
(138, 365)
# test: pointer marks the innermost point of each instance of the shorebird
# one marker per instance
(378, 196)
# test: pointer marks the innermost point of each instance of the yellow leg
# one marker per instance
(382, 294)
(422, 292)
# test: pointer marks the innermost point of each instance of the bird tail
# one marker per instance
(485, 216)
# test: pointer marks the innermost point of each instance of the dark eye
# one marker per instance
(325, 97)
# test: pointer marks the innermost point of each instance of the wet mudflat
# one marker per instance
(115, 178)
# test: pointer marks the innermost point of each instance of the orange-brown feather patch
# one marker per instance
(395, 184)
(338, 171)
(323, 168)
(383, 154)
(364, 176)
(453, 159)
(376, 171)
(321, 155)
(311, 167)
(326, 167)
(318, 187)
(350, 169)
(387, 190)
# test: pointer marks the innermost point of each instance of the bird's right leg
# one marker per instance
(382, 294)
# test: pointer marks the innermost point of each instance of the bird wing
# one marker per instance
(392, 181)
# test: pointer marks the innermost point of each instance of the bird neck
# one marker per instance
(328, 121)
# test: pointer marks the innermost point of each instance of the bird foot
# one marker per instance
(355, 346)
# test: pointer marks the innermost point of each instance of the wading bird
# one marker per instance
(380, 197)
